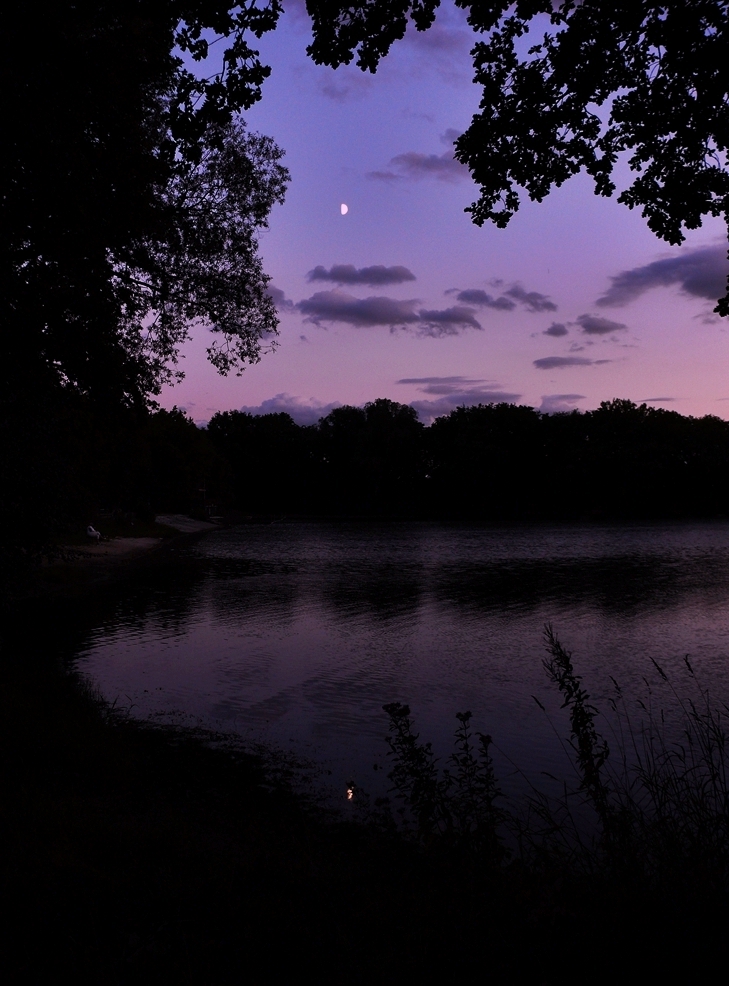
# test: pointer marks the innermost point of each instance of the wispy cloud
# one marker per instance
(453, 392)
(562, 362)
(448, 385)
(594, 325)
(414, 166)
(304, 412)
(441, 38)
(559, 403)
(443, 48)
(337, 306)
(447, 321)
(476, 296)
(533, 301)
(701, 273)
(343, 85)
(450, 136)
(556, 329)
(376, 275)
(282, 303)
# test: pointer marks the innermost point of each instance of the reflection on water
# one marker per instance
(297, 634)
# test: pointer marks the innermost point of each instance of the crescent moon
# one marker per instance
(344, 209)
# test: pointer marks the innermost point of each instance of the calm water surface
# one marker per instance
(297, 634)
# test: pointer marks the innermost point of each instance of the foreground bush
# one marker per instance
(653, 810)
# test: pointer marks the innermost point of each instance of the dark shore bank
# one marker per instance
(135, 854)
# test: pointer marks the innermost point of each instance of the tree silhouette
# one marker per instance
(486, 461)
(132, 199)
(595, 82)
(267, 458)
(371, 460)
(132, 195)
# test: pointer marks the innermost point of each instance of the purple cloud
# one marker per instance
(448, 321)
(428, 411)
(413, 166)
(559, 403)
(349, 274)
(443, 48)
(533, 301)
(388, 176)
(594, 325)
(343, 84)
(453, 392)
(282, 303)
(443, 385)
(556, 329)
(302, 411)
(701, 273)
(336, 306)
(560, 362)
(475, 296)
(441, 38)
(450, 136)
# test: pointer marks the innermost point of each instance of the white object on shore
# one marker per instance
(93, 533)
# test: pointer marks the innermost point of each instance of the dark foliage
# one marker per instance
(650, 815)
(132, 199)
(72, 459)
(456, 806)
(577, 85)
(267, 457)
(491, 462)
(356, 462)
(131, 195)
(70, 463)
(372, 459)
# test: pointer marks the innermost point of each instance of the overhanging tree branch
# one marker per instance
(659, 70)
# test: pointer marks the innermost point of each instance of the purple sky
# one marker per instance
(403, 297)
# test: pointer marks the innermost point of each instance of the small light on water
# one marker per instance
(350, 793)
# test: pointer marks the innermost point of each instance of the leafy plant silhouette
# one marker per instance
(456, 805)
(655, 813)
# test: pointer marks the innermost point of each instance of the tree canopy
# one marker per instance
(132, 193)
(576, 85)
(490, 462)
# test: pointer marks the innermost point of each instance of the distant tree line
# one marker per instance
(493, 462)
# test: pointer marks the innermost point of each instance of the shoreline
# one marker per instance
(79, 569)
(139, 853)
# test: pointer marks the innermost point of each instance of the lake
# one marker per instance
(296, 634)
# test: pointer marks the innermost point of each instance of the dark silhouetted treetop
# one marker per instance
(201, 101)
(571, 86)
(207, 268)
(488, 462)
(132, 193)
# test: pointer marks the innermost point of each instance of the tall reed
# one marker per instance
(653, 805)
